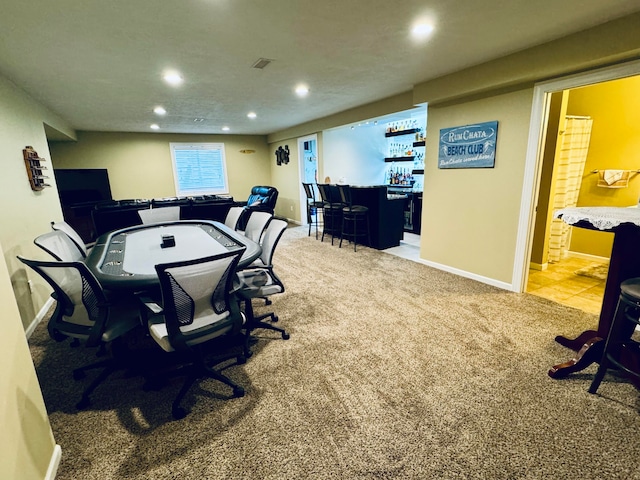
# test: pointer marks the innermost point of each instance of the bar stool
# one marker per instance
(351, 216)
(625, 320)
(314, 207)
(332, 211)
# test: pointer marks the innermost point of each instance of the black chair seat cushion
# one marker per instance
(631, 288)
(355, 209)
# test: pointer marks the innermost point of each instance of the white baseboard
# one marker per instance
(587, 256)
(472, 276)
(38, 318)
(538, 266)
(54, 463)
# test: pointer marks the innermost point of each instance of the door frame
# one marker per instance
(535, 145)
(303, 195)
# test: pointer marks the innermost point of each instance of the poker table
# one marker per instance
(125, 259)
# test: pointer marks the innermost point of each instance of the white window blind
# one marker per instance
(199, 168)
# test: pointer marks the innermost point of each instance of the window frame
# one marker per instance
(219, 148)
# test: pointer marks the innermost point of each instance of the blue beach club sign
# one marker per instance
(471, 146)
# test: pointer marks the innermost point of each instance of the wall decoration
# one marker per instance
(469, 146)
(35, 168)
(282, 155)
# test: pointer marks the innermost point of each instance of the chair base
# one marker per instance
(254, 322)
(195, 370)
(116, 362)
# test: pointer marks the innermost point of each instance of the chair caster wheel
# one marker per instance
(267, 301)
(82, 404)
(274, 319)
(285, 336)
(178, 413)
(238, 392)
(78, 374)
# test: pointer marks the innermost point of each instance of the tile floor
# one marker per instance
(560, 284)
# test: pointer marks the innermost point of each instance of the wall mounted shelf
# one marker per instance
(399, 159)
(35, 169)
(400, 132)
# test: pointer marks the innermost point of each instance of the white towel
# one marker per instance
(613, 178)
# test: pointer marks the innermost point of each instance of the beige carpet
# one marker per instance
(394, 370)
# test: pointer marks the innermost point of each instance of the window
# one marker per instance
(199, 168)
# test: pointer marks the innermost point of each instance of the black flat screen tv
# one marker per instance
(82, 185)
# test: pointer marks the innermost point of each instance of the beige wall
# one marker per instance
(470, 216)
(25, 213)
(26, 442)
(286, 178)
(139, 164)
(614, 144)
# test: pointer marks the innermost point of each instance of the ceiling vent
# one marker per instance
(261, 63)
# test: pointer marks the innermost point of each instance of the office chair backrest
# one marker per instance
(159, 214)
(233, 215)
(263, 198)
(270, 239)
(59, 245)
(256, 224)
(72, 234)
(81, 310)
(196, 299)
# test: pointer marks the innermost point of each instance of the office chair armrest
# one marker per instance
(151, 305)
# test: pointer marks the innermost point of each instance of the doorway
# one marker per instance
(538, 171)
(308, 169)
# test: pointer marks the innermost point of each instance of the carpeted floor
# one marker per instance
(394, 370)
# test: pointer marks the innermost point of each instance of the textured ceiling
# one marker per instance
(98, 64)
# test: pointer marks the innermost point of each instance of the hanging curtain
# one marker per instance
(568, 171)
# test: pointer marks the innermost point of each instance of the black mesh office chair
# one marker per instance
(197, 307)
(233, 216)
(60, 246)
(72, 234)
(84, 312)
(256, 224)
(260, 281)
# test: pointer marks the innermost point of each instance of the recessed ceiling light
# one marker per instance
(225, 129)
(252, 115)
(173, 78)
(302, 90)
(198, 120)
(159, 110)
(154, 126)
(422, 30)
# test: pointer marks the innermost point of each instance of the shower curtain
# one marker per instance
(568, 170)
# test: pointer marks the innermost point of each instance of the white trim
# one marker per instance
(586, 256)
(303, 196)
(39, 317)
(54, 463)
(533, 162)
(472, 276)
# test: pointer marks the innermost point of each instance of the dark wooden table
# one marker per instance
(624, 264)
